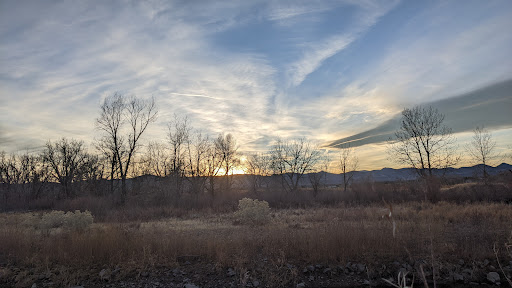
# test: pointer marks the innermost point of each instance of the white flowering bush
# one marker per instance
(72, 221)
(252, 212)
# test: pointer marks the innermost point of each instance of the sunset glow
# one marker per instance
(331, 71)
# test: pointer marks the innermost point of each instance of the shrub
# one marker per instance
(53, 219)
(73, 221)
(78, 220)
(252, 212)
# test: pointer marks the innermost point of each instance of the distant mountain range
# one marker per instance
(384, 175)
(405, 174)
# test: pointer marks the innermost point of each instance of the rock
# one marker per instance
(34, 285)
(190, 285)
(231, 272)
(255, 283)
(474, 284)
(327, 270)
(311, 268)
(461, 262)
(366, 282)
(311, 278)
(360, 268)
(301, 285)
(493, 277)
(457, 277)
(115, 271)
(144, 274)
(486, 262)
(104, 274)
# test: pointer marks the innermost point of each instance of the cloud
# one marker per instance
(434, 55)
(315, 56)
(69, 57)
(258, 69)
(489, 107)
(316, 53)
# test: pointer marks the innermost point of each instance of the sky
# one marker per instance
(330, 71)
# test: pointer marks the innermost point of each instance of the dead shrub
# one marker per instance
(252, 212)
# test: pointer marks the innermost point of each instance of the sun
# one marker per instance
(234, 171)
(237, 170)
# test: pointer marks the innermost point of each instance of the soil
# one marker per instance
(195, 272)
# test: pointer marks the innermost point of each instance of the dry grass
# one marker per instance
(323, 235)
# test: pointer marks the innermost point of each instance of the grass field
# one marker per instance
(435, 235)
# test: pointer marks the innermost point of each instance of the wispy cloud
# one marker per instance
(136, 50)
(257, 69)
(316, 53)
(195, 95)
(463, 113)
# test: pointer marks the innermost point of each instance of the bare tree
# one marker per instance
(291, 160)
(123, 121)
(348, 163)
(22, 175)
(67, 160)
(157, 160)
(319, 173)
(482, 149)
(196, 158)
(423, 142)
(257, 169)
(226, 147)
(108, 155)
(179, 133)
(214, 161)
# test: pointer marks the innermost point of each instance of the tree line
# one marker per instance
(191, 161)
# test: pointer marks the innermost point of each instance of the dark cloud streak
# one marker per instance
(490, 106)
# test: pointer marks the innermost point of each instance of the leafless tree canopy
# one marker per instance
(22, 172)
(123, 121)
(157, 160)
(228, 151)
(318, 172)
(481, 149)
(292, 160)
(423, 142)
(67, 161)
(348, 163)
(258, 167)
(197, 157)
(178, 135)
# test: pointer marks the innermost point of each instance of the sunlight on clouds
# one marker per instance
(59, 60)
(442, 60)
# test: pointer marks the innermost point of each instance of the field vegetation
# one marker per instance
(245, 240)
(177, 215)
